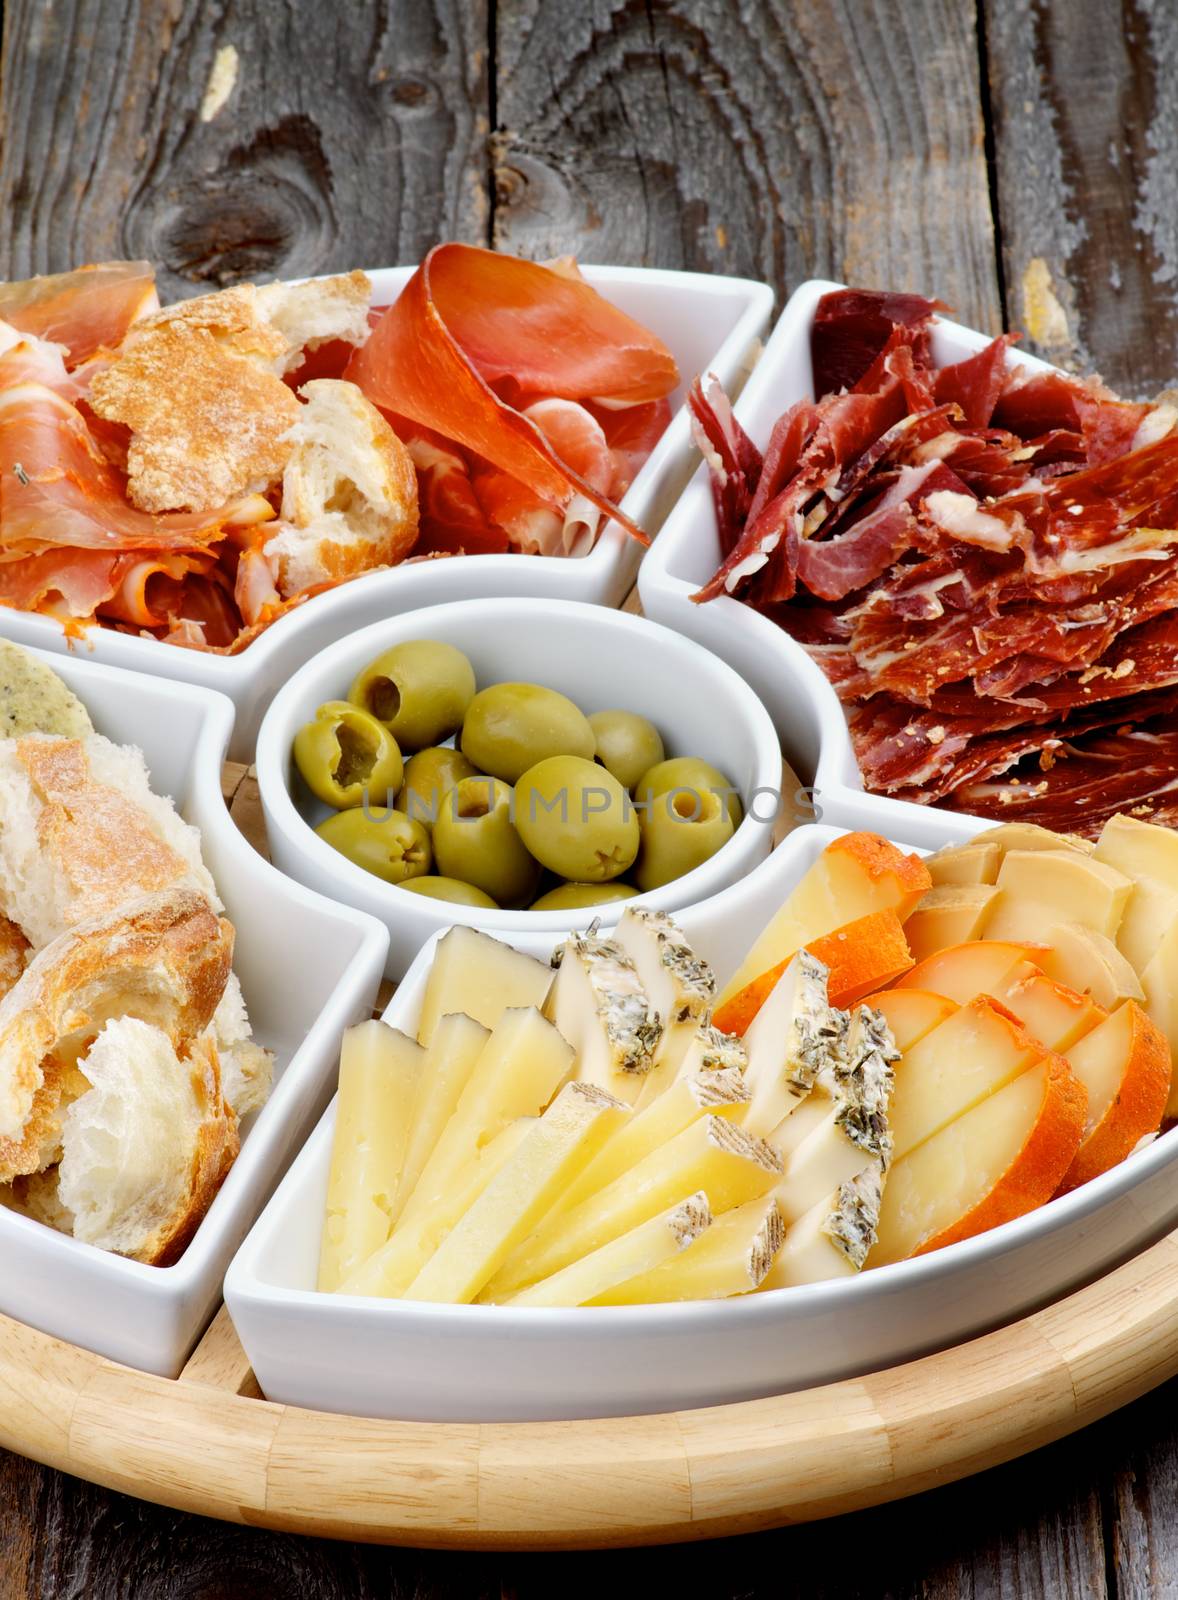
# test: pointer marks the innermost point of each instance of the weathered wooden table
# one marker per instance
(1017, 158)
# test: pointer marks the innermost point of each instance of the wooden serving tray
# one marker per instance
(208, 1443)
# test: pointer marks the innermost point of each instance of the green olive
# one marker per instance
(692, 774)
(680, 829)
(459, 894)
(476, 842)
(420, 691)
(345, 756)
(429, 776)
(384, 842)
(511, 726)
(576, 819)
(572, 896)
(627, 744)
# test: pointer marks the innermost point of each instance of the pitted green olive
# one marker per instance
(459, 894)
(692, 774)
(382, 841)
(627, 744)
(510, 726)
(419, 690)
(429, 777)
(680, 829)
(476, 841)
(345, 756)
(573, 896)
(576, 819)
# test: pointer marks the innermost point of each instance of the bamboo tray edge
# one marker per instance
(208, 1443)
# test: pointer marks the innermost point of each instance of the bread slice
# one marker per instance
(349, 492)
(146, 1147)
(81, 833)
(164, 960)
(315, 312)
(246, 1069)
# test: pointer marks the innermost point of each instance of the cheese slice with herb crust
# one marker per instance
(598, 1003)
(852, 1135)
(733, 1256)
(796, 1033)
(680, 984)
(833, 1238)
(709, 1049)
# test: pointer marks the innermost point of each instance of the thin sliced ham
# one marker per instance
(531, 523)
(468, 319)
(86, 310)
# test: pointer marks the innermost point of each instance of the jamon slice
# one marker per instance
(87, 310)
(469, 318)
(852, 326)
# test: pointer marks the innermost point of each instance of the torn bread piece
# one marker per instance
(163, 960)
(316, 312)
(146, 1147)
(81, 832)
(246, 1069)
(349, 492)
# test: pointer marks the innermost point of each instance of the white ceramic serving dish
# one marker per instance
(490, 1363)
(809, 718)
(707, 322)
(308, 968)
(600, 659)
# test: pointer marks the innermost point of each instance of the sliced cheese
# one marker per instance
(400, 1257)
(599, 1005)
(1159, 980)
(380, 1069)
(1041, 887)
(983, 967)
(729, 1258)
(976, 1052)
(711, 1154)
(793, 1035)
(692, 1095)
(569, 1134)
(1140, 849)
(853, 1133)
(855, 875)
(481, 977)
(1030, 836)
(458, 1042)
(975, 862)
(911, 1013)
(708, 1050)
(1089, 962)
(1150, 914)
(948, 914)
(833, 1238)
(680, 985)
(638, 1253)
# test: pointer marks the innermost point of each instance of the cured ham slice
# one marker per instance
(983, 561)
(469, 320)
(536, 525)
(87, 310)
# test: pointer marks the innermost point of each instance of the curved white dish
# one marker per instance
(308, 968)
(796, 692)
(599, 658)
(490, 1363)
(707, 322)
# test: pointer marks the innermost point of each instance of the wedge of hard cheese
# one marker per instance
(1000, 1159)
(1124, 1064)
(730, 1257)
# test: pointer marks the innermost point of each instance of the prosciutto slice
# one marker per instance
(85, 311)
(470, 323)
(983, 561)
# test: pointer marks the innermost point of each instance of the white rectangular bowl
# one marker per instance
(795, 691)
(707, 322)
(401, 1359)
(308, 969)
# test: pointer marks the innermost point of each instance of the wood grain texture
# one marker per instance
(1085, 119)
(777, 140)
(347, 135)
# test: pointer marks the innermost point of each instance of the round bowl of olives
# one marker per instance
(523, 766)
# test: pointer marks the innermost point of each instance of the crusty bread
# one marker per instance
(81, 832)
(246, 1069)
(14, 954)
(199, 385)
(207, 413)
(146, 1147)
(349, 492)
(312, 313)
(164, 959)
